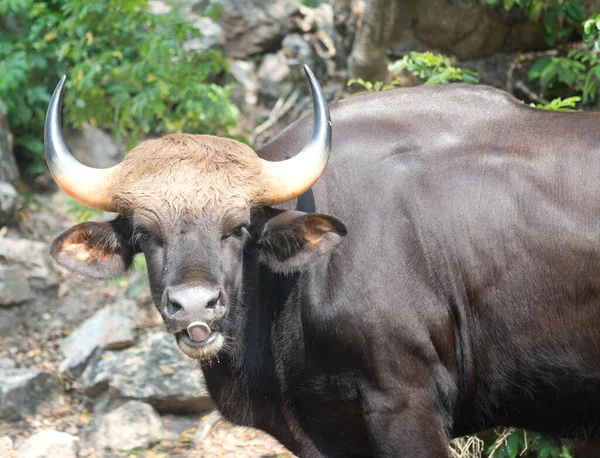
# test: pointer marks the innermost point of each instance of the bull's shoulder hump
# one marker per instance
(449, 96)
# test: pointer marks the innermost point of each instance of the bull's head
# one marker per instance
(194, 204)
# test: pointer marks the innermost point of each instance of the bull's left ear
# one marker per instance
(293, 240)
(99, 250)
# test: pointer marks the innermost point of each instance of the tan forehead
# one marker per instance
(189, 173)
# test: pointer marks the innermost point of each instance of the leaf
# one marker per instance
(513, 444)
(50, 36)
(536, 69)
(575, 12)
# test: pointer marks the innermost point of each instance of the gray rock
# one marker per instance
(8, 202)
(298, 51)
(154, 371)
(49, 444)
(130, 426)
(245, 93)
(8, 166)
(213, 36)
(6, 447)
(24, 391)
(254, 26)
(14, 288)
(33, 256)
(113, 327)
(274, 76)
(94, 147)
(319, 18)
(7, 363)
(465, 29)
(175, 426)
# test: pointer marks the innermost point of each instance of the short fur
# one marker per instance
(181, 173)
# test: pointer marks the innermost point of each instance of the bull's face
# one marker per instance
(195, 206)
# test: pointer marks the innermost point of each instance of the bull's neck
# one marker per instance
(243, 380)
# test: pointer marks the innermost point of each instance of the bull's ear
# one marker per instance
(99, 250)
(293, 240)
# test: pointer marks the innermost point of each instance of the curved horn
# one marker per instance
(290, 178)
(86, 185)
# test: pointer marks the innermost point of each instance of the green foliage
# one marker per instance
(81, 212)
(433, 68)
(560, 18)
(311, 3)
(577, 73)
(138, 266)
(557, 70)
(512, 443)
(559, 104)
(428, 67)
(128, 70)
(377, 86)
(591, 31)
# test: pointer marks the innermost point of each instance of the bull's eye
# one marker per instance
(239, 232)
(142, 236)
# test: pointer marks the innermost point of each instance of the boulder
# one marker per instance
(8, 202)
(134, 425)
(14, 288)
(298, 51)
(213, 36)
(154, 371)
(9, 172)
(25, 391)
(94, 147)
(112, 327)
(466, 29)
(49, 444)
(253, 26)
(274, 76)
(7, 363)
(33, 256)
(245, 93)
(319, 18)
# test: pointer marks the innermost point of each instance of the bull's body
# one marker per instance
(465, 294)
(448, 281)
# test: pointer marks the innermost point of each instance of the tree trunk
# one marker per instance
(368, 59)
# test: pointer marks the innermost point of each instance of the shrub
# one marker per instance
(427, 67)
(128, 71)
(433, 68)
(561, 19)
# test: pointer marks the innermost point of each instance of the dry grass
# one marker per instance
(466, 447)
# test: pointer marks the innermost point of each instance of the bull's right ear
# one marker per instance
(98, 250)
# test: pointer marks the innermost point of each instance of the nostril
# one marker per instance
(213, 302)
(173, 307)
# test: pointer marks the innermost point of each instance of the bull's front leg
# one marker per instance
(406, 424)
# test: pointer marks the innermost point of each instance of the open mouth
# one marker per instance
(199, 341)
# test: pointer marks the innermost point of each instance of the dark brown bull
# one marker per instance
(465, 294)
